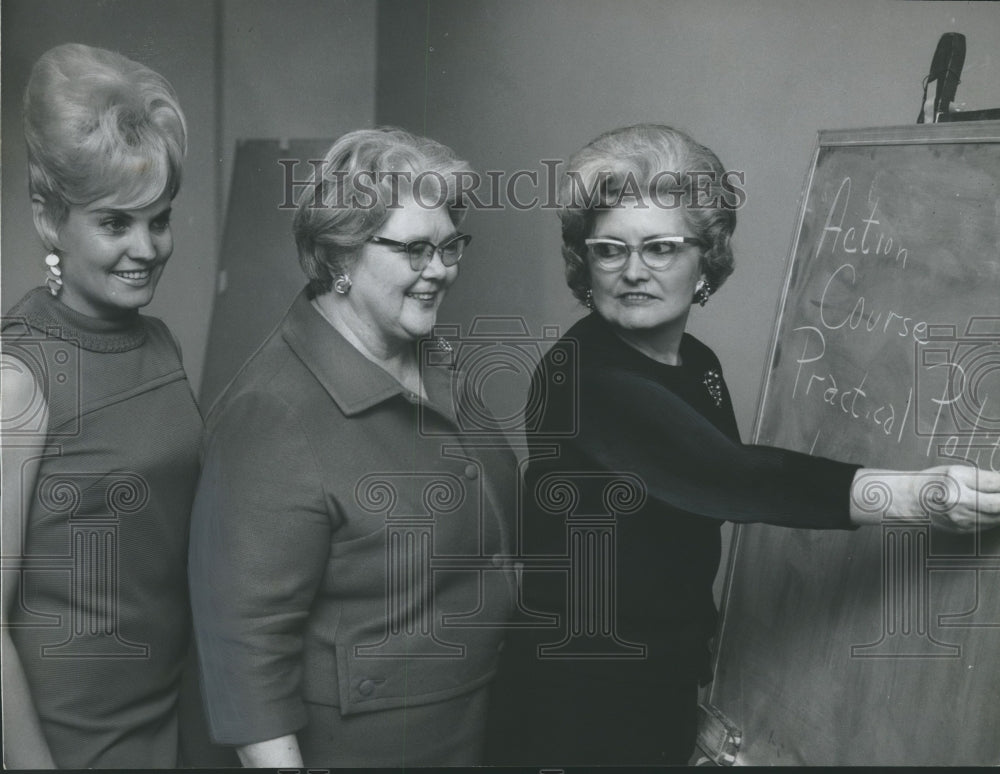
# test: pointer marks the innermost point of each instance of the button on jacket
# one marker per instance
(344, 543)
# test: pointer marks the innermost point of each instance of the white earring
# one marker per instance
(53, 274)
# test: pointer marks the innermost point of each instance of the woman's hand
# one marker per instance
(955, 498)
(272, 754)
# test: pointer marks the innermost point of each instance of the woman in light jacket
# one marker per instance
(348, 535)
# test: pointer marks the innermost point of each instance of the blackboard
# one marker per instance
(879, 646)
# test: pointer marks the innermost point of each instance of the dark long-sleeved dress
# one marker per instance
(635, 465)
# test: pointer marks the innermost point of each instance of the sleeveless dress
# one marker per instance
(103, 624)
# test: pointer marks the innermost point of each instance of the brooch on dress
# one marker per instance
(713, 381)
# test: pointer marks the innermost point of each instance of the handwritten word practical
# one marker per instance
(853, 400)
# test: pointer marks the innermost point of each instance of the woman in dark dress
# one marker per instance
(101, 430)
(644, 427)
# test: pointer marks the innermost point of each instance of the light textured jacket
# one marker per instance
(350, 543)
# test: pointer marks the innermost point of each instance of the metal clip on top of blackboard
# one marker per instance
(945, 73)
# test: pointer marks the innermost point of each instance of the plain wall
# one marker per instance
(508, 83)
(295, 69)
(177, 39)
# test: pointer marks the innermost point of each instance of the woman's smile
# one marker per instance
(135, 277)
(390, 303)
(636, 297)
(425, 297)
(113, 256)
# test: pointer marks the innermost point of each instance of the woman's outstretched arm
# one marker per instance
(631, 423)
(956, 498)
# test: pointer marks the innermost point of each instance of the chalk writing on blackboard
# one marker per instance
(886, 352)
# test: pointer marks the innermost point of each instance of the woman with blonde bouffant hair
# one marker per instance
(101, 430)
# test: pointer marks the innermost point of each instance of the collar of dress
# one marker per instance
(352, 380)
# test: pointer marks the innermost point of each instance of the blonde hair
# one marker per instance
(98, 124)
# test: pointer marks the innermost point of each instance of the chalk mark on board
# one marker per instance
(812, 449)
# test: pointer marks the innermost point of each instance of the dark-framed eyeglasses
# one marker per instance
(421, 252)
(658, 253)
